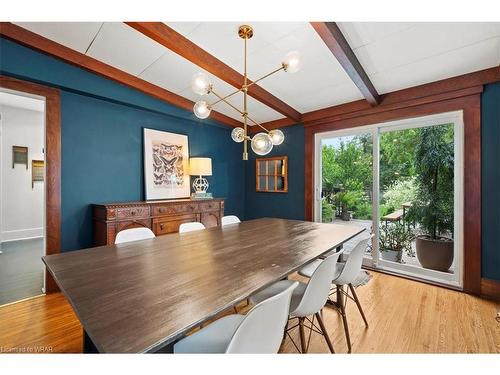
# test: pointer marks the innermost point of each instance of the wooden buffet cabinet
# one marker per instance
(162, 217)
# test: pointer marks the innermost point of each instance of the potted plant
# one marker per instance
(432, 207)
(394, 239)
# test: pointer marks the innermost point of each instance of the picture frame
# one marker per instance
(20, 155)
(37, 171)
(166, 161)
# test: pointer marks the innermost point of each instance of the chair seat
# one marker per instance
(308, 270)
(214, 338)
(278, 288)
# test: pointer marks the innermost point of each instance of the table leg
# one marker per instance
(88, 345)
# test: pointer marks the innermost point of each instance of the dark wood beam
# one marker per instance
(182, 46)
(49, 47)
(336, 42)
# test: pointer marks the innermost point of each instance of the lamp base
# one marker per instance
(201, 195)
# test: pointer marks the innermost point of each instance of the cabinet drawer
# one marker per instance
(132, 212)
(175, 209)
(171, 224)
(209, 206)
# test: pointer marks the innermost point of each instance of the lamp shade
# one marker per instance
(200, 166)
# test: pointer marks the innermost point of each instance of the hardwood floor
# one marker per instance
(404, 316)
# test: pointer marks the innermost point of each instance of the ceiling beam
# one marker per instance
(49, 47)
(182, 46)
(336, 42)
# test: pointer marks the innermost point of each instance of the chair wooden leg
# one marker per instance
(341, 305)
(325, 333)
(358, 304)
(302, 336)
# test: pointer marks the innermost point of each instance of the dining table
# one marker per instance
(143, 296)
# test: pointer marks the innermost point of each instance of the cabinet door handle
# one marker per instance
(161, 226)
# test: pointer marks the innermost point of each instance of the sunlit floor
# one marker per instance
(21, 270)
(404, 317)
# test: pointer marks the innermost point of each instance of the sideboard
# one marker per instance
(162, 217)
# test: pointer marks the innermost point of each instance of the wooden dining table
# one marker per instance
(143, 296)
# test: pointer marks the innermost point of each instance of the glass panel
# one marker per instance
(347, 181)
(271, 184)
(417, 198)
(280, 183)
(262, 167)
(262, 182)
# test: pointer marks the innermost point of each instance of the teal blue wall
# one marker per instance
(290, 205)
(102, 124)
(490, 185)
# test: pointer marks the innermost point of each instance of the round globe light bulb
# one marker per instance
(277, 136)
(201, 109)
(262, 144)
(200, 83)
(238, 135)
(292, 62)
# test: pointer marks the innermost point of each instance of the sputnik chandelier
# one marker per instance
(262, 143)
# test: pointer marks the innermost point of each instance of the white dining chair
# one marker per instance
(344, 275)
(190, 227)
(230, 219)
(259, 331)
(133, 234)
(307, 299)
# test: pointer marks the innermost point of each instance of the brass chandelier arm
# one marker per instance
(223, 99)
(267, 75)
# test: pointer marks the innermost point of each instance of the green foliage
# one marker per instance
(397, 155)
(401, 191)
(327, 210)
(433, 204)
(395, 236)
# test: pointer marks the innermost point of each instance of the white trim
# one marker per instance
(22, 234)
(455, 117)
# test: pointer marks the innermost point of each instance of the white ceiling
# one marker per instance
(20, 101)
(394, 55)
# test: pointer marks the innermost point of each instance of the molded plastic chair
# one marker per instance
(190, 227)
(230, 219)
(345, 274)
(260, 331)
(307, 299)
(133, 234)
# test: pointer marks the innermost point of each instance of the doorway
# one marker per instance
(402, 181)
(22, 195)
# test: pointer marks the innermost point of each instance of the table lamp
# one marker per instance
(200, 167)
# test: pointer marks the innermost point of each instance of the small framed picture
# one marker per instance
(166, 160)
(37, 171)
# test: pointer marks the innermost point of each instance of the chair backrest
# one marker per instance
(353, 264)
(262, 329)
(133, 234)
(318, 288)
(230, 219)
(189, 227)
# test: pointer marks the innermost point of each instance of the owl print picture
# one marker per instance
(165, 165)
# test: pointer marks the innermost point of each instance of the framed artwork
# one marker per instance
(19, 155)
(166, 160)
(37, 171)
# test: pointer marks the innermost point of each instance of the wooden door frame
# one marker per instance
(52, 162)
(468, 101)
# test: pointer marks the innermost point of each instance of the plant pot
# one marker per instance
(435, 254)
(392, 255)
(345, 215)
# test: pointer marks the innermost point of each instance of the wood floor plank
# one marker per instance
(404, 317)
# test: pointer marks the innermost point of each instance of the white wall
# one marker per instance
(21, 207)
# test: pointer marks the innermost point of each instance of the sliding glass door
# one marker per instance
(402, 181)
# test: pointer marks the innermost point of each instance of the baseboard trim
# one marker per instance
(22, 234)
(490, 289)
